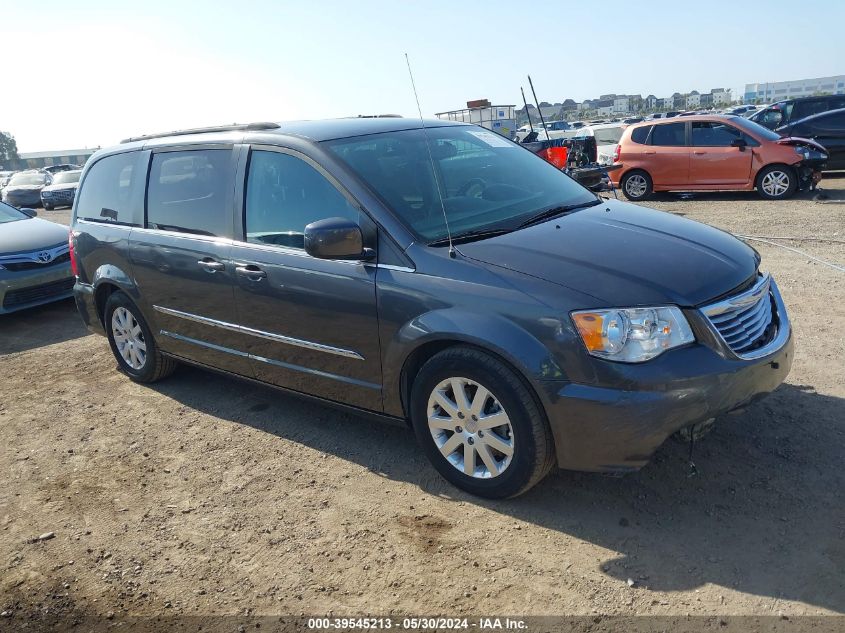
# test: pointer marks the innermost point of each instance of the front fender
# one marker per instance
(491, 332)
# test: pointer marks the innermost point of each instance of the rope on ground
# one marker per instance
(794, 250)
(794, 238)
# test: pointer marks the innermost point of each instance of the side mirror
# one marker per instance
(740, 143)
(27, 211)
(336, 238)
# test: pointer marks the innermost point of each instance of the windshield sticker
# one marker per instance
(491, 139)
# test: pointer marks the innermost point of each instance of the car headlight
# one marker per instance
(632, 335)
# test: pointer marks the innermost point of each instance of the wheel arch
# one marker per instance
(108, 279)
(423, 337)
(786, 166)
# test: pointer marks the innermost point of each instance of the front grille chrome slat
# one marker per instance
(749, 322)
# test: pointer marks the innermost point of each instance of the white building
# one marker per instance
(621, 104)
(768, 92)
(721, 97)
(693, 100)
(605, 111)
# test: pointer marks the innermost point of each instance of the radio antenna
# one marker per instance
(542, 120)
(431, 159)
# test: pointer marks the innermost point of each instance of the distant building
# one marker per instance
(721, 97)
(693, 100)
(36, 160)
(706, 100)
(650, 102)
(768, 92)
(621, 105)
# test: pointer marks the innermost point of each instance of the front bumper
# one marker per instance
(616, 426)
(22, 198)
(58, 197)
(27, 289)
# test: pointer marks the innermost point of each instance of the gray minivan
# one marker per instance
(438, 274)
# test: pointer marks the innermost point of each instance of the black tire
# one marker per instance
(632, 178)
(778, 172)
(533, 455)
(48, 207)
(155, 365)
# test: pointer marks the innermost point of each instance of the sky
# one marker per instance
(88, 73)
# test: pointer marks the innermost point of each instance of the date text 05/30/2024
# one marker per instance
(420, 623)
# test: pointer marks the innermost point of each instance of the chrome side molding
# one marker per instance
(270, 336)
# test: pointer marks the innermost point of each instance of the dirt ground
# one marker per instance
(207, 495)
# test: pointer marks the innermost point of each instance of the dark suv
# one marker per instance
(787, 112)
(553, 328)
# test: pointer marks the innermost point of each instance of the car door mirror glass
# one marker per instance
(335, 238)
(27, 211)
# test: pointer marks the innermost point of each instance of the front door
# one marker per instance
(182, 258)
(714, 160)
(668, 155)
(312, 324)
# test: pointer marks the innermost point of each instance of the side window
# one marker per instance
(283, 195)
(187, 192)
(806, 108)
(105, 194)
(669, 134)
(713, 134)
(640, 134)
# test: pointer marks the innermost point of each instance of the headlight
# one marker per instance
(632, 335)
(802, 151)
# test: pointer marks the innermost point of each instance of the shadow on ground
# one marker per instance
(40, 326)
(763, 516)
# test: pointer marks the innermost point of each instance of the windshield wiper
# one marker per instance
(552, 212)
(470, 236)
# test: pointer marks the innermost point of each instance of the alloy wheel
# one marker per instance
(775, 183)
(128, 338)
(636, 186)
(470, 428)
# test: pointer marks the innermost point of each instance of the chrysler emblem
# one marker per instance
(45, 257)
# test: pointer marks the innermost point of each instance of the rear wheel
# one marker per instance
(479, 424)
(132, 342)
(777, 182)
(636, 185)
(48, 207)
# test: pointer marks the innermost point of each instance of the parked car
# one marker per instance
(607, 137)
(34, 260)
(714, 153)
(62, 191)
(827, 129)
(55, 169)
(784, 113)
(671, 114)
(632, 120)
(541, 327)
(24, 188)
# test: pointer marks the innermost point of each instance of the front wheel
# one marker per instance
(479, 424)
(636, 185)
(132, 342)
(48, 207)
(777, 182)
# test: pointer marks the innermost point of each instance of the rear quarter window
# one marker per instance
(640, 134)
(110, 191)
(669, 134)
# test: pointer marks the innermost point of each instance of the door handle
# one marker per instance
(699, 153)
(210, 265)
(251, 272)
(649, 153)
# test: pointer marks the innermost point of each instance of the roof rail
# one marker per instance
(204, 130)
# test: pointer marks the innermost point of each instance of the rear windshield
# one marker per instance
(28, 179)
(608, 135)
(64, 177)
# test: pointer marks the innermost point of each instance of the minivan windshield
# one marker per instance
(32, 178)
(489, 183)
(10, 214)
(64, 177)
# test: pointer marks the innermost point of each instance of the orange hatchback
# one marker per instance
(709, 153)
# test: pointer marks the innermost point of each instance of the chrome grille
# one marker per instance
(748, 321)
(61, 195)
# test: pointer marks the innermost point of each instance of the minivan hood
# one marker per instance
(625, 255)
(22, 236)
